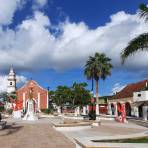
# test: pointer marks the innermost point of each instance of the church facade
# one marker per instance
(39, 95)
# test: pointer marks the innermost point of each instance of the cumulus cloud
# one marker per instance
(37, 44)
(116, 88)
(3, 81)
(7, 10)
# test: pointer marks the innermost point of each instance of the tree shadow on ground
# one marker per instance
(11, 129)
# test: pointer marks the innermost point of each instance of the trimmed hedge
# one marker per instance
(47, 111)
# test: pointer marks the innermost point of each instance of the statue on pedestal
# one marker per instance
(31, 113)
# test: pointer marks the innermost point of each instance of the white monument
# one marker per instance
(59, 110)
(11, 85)
(30, 114)
(84, 110)
(77, 111)
(97, 109)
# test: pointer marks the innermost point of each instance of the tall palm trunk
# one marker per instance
(97, 91)
(92, 85)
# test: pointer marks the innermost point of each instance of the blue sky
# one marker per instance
(50, 40)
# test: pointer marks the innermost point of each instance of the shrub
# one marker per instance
(2, 108)
(47, 111)
(92, 115)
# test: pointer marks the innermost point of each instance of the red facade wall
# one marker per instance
(36, 89)
(102, 108)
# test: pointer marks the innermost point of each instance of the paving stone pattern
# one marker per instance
(40, 135)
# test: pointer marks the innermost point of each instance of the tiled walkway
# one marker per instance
(28, 135)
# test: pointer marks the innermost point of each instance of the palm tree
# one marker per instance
(98, 67)
(88, 72)
(139, 43)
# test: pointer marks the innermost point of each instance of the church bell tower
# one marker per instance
(11, 86)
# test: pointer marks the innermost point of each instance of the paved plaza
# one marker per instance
(33, 135)
(107, 128)
(41, 134)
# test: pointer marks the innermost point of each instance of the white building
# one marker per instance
(139, 98)
(135, 99)
(11, 85)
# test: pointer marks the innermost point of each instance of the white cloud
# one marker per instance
(7, 10)
(3, 81)
(21, 79)
(116, 88)
(33, 46)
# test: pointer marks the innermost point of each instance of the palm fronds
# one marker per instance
(138, 44)
(143, 12)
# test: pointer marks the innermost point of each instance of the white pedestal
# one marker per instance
(30, 115)
(17, 114)
(59, 110)
(97, 109)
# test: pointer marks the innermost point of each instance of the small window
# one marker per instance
(10, 83)
(139, 95)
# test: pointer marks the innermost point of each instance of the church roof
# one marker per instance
(128, 90)
(30, 83)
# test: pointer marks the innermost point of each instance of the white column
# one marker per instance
(136, 111)
(47, 99)
(39, 101)
(76, 114)
(132, 111)
(78, 110)
(109, 109)
(97, 109)
(84, 110)
(24, 103)
(87, 109)
(145, 110)
(116, 109)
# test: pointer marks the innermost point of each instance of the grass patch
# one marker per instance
(130, 140)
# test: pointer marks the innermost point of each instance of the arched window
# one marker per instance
(10, 83)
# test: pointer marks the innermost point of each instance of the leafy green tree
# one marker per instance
(61, 95)
(80, 95)
(75, 95)
(98, 67)
(4, 96)
(139, 43)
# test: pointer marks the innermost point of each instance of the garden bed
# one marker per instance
(128, 140)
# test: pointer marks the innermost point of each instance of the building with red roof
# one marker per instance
(135, 98)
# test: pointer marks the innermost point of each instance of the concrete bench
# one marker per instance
(2, 124)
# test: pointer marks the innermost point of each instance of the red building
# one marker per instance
(39, 95)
